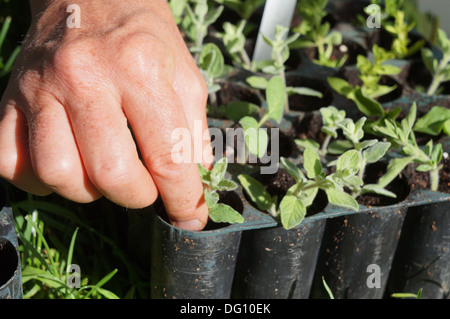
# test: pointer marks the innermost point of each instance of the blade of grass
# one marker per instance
(53, 268)
(327, 288)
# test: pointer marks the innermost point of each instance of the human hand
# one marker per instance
(66, 113)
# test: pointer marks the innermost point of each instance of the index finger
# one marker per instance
(155, 115)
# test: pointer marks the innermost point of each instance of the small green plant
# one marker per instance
(402, 136)
(276, 66)
(197, 21)
(256, 138)
(370, 73)
(368, 151)
(316, 34)
(369, 106)
(434, 122)
(331, 118)
(212, 66)
(214, 181)
(440, 69)
(233, 38)
(399, 28)
(293, 206)
(280, 54)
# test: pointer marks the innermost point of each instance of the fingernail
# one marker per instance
(193, 225)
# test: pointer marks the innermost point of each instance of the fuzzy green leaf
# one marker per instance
(275, 96)
(256, 141)
(339, 146)
(376, 152)
(433, 122)
(312, 163)
(248, 122)
(211, 198)
(257, 82)
(429, 60)
(226, 185)
(219, 169)
(393, 170)
(292, 211)
(349, 160)
(211, 60)
(307, 143)
(304, 91)
(293, 170)
(341, 199)
(377, 189)
(204, 174)
(221, 213)
(256, 191)
(341, 86)
(367, 105)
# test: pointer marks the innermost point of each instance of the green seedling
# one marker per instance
(331, 118)
(276, 66)
(369, 106)
(212, 66)
(256, 138)
(402, 136)
(316, 34)
(434, 122)
(292, 208)
(214, 181)
(197, 21)
(233, 38)
(370, 73)
(280, 54)
(440, 69)
(401, 46)
(368, 152)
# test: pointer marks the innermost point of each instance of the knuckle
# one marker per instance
(55, 173)
(145, 57)
(70, 61)
(168, 165)
(111, 175)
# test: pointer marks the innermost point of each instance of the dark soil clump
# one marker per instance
(306, 103)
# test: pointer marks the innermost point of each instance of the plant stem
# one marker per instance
(437, 79)
(356, 191)
(263, 120)
(278, 61)
(246, 59)
(323, 149)
(198, 43)
(434, 177)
